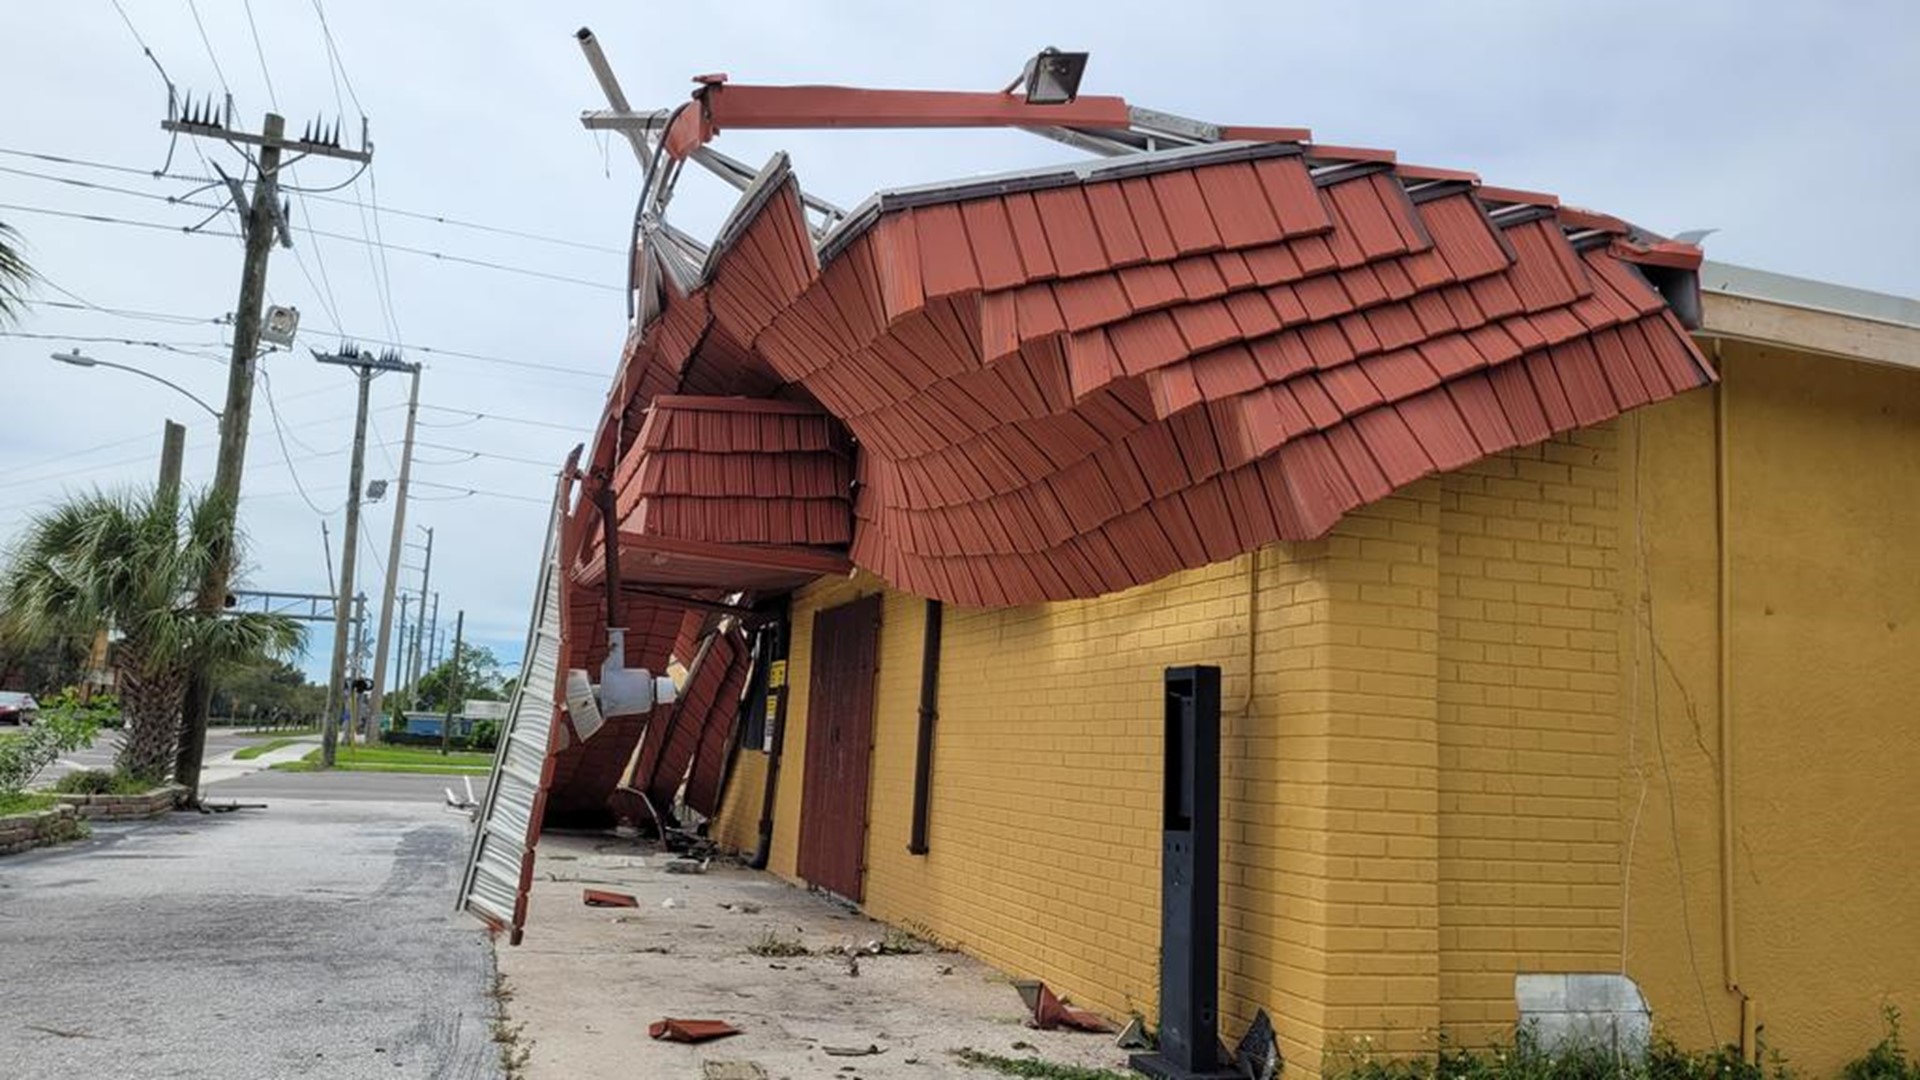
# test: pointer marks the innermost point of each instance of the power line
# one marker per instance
(480, 491)
(179, 348)
(548, 465)
(272, 96)
(392, 211)
(501, 418)
(105, 219)
(202, 27)
(333, 60)
(171, 200)
(142, 42)
(280, 435)
(424, 252)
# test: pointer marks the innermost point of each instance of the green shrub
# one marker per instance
(85, 782)
(1888, 1059)
(62, 729)
(486, 734)
(1525, 1059)
(100, 782)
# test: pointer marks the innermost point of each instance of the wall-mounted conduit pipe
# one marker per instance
(929, 717)
(1723, 508)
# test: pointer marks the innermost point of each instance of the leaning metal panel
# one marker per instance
(505, 832)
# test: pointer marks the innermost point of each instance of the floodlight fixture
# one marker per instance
(1053, 77)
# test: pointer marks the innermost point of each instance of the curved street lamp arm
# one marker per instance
(211, 411)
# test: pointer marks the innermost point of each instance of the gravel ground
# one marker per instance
(312, 938)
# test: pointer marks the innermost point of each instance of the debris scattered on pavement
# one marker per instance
(853, 965)
(1049, 1012)
(946, 969)
(605, 898)
(853, 1051)
(690, 1031)
(1134, 1036)
(616, 862)
(732, 1070)
(742, 907)
(669, 903)
(688, 866)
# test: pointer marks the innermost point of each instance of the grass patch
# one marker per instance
(396, 759)
(1037, 1069)
(252, 752)
(774, 944)
(25, 802)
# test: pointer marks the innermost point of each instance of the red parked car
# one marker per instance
(18, 708)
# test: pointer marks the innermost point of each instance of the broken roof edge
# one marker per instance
(1749, 283)
(1038, 178)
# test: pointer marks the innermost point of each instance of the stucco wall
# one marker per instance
(1825, 601)
(1481, 738)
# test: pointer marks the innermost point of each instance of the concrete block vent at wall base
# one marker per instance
(54, 825)
(1564, 1012)
(127, 807)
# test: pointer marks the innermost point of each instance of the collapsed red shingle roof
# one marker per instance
(1072, 382)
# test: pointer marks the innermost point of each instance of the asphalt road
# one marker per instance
(344, 786)
(315, 937)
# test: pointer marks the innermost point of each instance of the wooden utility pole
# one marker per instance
(233, 443)
(454, 689)
(262, 220)
(365, 366)
(173, 446)
(395, 550)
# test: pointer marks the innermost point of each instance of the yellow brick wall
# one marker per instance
(1529, 724)
(1479, 739)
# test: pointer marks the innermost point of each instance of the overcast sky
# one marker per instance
(1788, 127)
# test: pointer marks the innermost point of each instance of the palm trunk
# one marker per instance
(150, 701)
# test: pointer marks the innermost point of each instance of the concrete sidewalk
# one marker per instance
(227, 767)
(587, 981)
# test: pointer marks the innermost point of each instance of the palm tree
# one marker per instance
(14, 275)
(132, 562)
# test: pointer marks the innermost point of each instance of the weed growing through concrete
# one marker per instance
(1036, 1069)
(772, 943)
(515, 1049)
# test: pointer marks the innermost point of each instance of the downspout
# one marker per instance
(782, 631)
(1723, 505)
(1253, 632)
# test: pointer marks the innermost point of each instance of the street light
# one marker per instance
(79, 359)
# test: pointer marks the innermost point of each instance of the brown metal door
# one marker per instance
(833, 803)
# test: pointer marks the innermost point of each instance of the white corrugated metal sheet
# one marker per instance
(500, 861)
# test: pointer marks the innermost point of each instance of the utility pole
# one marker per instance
(173, 445)
(395, 549)
(454, 689)
(262, 220)
(365, 365)
(355, 716)
(400, 669)
(431, 652)
(420, 617)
